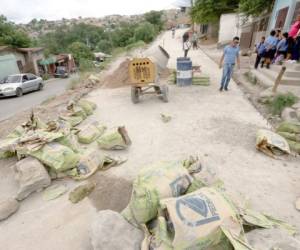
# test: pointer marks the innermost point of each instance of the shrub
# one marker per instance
(281, 101)
(145, 32)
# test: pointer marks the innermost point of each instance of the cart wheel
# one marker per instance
(164, 92)
(135, 95)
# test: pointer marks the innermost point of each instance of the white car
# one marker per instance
(19, 84)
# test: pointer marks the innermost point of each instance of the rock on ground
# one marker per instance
(289, 115)
(32, 176)
(272, 239)
(110, 231)
(7, 208)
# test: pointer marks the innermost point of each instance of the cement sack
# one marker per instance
(290, 127)
(163, 180)
(75, 110)
(90, 133)
(80, 192)
(271, 143)
(204, 219)
(56, 156)
(290, 136)
(117, 140)
(73, 120)
(295, 146)
(70, 141)
(87, 106)
(8, 147)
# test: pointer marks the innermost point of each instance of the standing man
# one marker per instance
(186, 44)
(228, 59)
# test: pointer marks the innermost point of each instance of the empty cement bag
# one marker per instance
(73, 120)
(163, 180)
(117, 140)
(204, 219)
(7, 148)
(294, 146)
(271, 143)
(290, 127)
(87, 106)
(90, 133)
(56, 156)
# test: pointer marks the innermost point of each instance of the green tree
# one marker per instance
(255, 7)
(155, 17)
(104, 46)
(145, 32)
(80, 51)
(208, 11)
(11, 35)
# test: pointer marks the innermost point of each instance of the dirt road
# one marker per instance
(219, 127)
(13, 105)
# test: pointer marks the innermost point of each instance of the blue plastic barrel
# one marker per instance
(184, 72)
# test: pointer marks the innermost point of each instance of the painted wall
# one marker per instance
(8, 65)
(229, 27)
(280, 4)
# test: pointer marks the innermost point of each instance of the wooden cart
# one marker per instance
(144, 79)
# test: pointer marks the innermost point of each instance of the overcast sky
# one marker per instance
(25, 10)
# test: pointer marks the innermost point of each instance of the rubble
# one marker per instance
(31, 176)
(8, 207)
(110, 231)
(80, 192)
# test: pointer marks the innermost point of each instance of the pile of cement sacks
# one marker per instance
(54, 150)
(181, 205)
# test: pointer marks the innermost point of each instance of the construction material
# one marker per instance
(56, 156)
(163, 180)
(80, 192)
(117, 140)
(54, 192)
(291, 131)
(31, 176)
(90, 133)
(271, 144)
(87, 106)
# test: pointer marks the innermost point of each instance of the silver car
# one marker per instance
(19, 84)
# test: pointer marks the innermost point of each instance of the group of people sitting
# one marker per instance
(278, 47)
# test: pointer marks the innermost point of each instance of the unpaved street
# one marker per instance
(13, 105)
(219, 127)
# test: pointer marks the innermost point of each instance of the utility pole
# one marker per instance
(193, 24)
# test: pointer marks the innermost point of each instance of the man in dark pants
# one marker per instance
(260, 49)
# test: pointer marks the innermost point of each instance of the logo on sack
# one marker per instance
(200, 205)
(180, 185)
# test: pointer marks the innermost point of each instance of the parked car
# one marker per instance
(19, 84)
(61, 72)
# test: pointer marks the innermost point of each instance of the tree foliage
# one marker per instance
(255, 7)
(155, 18)
(80, 51)
(208, 11)
(11, 35)
(145, 32)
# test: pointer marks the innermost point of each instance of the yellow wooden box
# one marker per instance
(142, 71)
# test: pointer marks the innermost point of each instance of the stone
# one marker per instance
(289, 115)
(110, 231)
(296, 105)
(8, 207)
(272, 239)
(32, 176)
